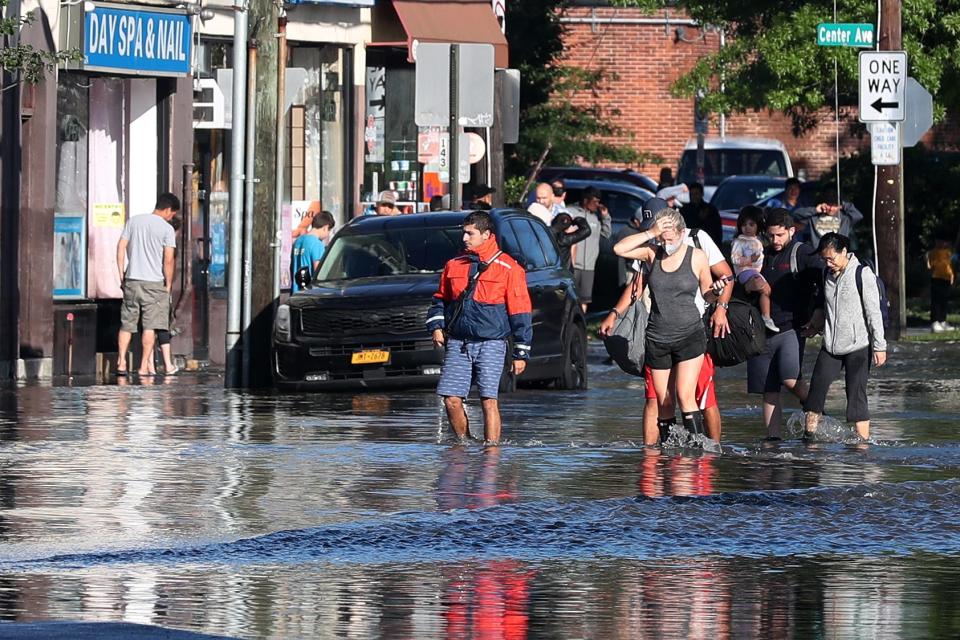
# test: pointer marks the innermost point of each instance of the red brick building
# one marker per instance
(649, 52)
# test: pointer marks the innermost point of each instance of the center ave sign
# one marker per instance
(883, 80)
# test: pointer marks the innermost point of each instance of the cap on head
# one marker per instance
(482, 190)
(387, 197)
(646, 214)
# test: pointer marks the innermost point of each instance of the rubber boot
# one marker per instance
(663, 425)
(693, 422)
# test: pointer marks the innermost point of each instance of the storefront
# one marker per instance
(323, 84)
(115, 146)
(398, 155)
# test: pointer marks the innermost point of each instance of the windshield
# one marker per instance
(736, 194)
(390, 253)
(721, 163)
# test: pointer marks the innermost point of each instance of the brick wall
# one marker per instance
(647, 57)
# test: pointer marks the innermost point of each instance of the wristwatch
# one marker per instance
(723, 304)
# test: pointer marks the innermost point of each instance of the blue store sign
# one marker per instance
(139, 42)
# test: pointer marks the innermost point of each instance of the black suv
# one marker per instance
(361, 322)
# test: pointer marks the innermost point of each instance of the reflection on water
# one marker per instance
(255, 515)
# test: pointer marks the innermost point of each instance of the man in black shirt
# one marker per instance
(795, 273)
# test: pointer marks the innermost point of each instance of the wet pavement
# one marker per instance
(181, 505)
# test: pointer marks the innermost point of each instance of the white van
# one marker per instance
(734, 156)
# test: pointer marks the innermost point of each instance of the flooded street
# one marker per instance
(257, 515)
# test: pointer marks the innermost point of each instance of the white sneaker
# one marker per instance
(937, 327)
(946, 326)
(770, 324)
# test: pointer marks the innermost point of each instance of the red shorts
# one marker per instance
(706, 389)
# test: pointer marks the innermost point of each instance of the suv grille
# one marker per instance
(335, 322)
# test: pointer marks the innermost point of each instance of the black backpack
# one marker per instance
(747, 336)
(881, 287)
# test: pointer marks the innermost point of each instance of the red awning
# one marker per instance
(440, 21)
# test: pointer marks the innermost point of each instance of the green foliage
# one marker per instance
(513, 190)
(548, 113)
(22, 59)
(772, 60)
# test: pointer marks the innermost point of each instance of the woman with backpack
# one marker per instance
(675, 339)
(852, 323)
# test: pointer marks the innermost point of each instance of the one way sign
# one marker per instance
(883, 80)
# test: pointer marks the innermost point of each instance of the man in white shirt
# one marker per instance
(145, 262)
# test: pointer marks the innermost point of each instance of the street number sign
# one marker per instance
(883, 81)
(841, 34)
(884, 143)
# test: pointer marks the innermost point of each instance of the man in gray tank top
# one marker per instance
(145, 262)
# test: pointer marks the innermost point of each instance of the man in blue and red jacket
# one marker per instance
(481, 302)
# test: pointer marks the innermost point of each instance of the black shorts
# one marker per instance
(782, 359)
(664, 355)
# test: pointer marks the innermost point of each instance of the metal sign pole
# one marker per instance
(454, 129)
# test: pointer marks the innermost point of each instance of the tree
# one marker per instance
(772, 61)
(23, 59)
(548, 112)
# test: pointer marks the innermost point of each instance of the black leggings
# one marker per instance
(856, 366)
(163, 336)
(939, 294)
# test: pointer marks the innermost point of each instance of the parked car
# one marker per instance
(736, 192)
(621, 200)
(361, 321)
(725, 157)
(597, 174)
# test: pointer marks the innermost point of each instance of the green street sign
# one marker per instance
(831, 34)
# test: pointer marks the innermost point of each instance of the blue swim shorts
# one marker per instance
(466, 362)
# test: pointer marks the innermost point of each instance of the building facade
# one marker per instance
(149, 110)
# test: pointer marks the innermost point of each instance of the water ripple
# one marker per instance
(881, 518)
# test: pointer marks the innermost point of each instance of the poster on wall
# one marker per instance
(375, 112)
(218, 211)
(69, 256)
(108, 216)
(105, 227)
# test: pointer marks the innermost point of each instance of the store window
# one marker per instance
(70, 212)
(317, 130)
(399, 156)
(107, 170)
(318, 163)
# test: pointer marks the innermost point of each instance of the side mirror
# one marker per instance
(302, 277)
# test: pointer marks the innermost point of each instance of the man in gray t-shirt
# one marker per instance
(145, 260)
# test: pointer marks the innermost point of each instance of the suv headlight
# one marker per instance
(281, 324)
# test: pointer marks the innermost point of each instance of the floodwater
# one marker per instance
(255, 515)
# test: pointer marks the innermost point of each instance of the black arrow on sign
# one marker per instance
(880, 105)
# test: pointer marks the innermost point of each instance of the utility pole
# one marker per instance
(888, 208)
(264, 16)
(454, 146)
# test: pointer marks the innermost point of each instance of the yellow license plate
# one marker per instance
(373, 356)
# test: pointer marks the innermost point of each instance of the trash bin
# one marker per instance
(75, 340)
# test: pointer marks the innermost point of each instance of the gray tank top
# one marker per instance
(673, 312)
